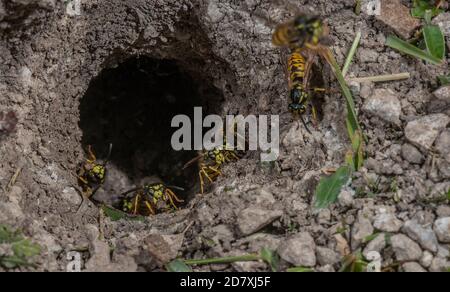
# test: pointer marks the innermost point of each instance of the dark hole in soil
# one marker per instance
(318, 98)
(132, 107)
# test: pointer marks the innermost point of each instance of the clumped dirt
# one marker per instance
(118, 73)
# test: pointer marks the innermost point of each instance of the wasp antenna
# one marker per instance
(192, 161)
(304, 124)
(129, 191)
(177, 188)
(109, 154)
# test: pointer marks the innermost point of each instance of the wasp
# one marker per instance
(150, 198)
(92, 174)
(303, 30)
(302, 36)
(211, 161)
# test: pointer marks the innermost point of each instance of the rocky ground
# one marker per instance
(51, 64)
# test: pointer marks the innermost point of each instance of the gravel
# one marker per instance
(442, 229)
(299, 250)
(251, 220)
(423, 235)
(424, 131)
(405, 249)
(384, 104)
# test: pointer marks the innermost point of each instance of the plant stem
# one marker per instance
(224, 260)
(381, 78)
(351, 54)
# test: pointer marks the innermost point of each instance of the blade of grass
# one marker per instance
(381, 78)
(406, 48)
(178, 266)
(224, 260)
(271, 258)
(352, 116)
(358, 5)
(299, 270)
(351, 54)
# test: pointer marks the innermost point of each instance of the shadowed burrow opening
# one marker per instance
(132, 107)
(318, 82)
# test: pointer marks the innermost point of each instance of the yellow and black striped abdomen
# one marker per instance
(296, 69)
(297, 94)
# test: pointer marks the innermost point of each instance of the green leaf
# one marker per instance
(116, 215)
(407, 48)
(9, 236)
(434, 39)
(271, 258)
(300, 270)
(26, 249)
(329, 188)
(12, 262)
(420, 8)
(23, 249)
(354, 263)
(178, 266)
(444, 80)
(370, 238)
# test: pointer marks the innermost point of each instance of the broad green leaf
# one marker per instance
(329, 188)
(434, 39)
(420, 8)
(300, 270)
(178, 266)
(407, 48)
(271, 258)
(116, 215)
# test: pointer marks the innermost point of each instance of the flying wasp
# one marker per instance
(302, 36)
(149, 199)
(303, 30)
(92, 174)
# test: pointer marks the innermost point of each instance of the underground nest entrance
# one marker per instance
(131, 107)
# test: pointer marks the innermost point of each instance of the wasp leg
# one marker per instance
(233, 155)
(202, 183)
(83, 180)
(136, 204)
(91, 158)
(150, 208)
(171, 201)
(203, 173)
(172, 194)
(314, 117)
